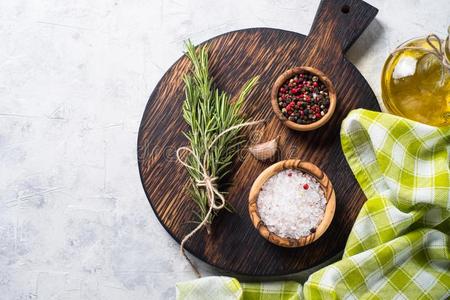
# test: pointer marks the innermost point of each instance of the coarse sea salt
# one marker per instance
(291, 204)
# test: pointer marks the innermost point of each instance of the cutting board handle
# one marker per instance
(338, 23)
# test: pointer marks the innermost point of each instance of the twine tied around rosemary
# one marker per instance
(208, 183)
(438, 52)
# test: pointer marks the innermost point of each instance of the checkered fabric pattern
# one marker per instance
(399, 247)
(206, 288)
(227, 288)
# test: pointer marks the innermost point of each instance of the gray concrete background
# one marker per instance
(74, 79)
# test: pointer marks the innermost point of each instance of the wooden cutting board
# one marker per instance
(235, 57)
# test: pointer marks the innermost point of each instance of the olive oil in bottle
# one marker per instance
(415, 81)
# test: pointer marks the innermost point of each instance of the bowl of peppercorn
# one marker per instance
(303, 98)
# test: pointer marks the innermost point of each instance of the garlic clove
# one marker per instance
(264, 150)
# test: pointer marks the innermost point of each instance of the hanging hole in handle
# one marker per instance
(345, 9)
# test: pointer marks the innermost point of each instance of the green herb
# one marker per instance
(209, 112)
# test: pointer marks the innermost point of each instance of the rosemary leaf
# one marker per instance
(208, 112)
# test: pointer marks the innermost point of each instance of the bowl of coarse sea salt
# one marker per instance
(292, 203)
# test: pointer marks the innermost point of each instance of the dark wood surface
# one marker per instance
(235, 245)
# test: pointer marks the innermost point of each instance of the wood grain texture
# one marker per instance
(327, 188)
(235, 57)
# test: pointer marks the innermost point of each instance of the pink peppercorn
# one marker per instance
(303, 98)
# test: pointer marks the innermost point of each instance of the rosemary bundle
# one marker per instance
(215, 122)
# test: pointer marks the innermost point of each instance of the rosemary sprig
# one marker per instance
(210, 112)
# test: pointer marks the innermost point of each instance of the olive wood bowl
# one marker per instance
(306, 167)
(291, 73)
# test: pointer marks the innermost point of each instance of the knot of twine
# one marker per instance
(438, 52)
(207, 182)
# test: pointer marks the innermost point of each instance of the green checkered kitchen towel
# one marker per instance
(399, 247)
(227, 288)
